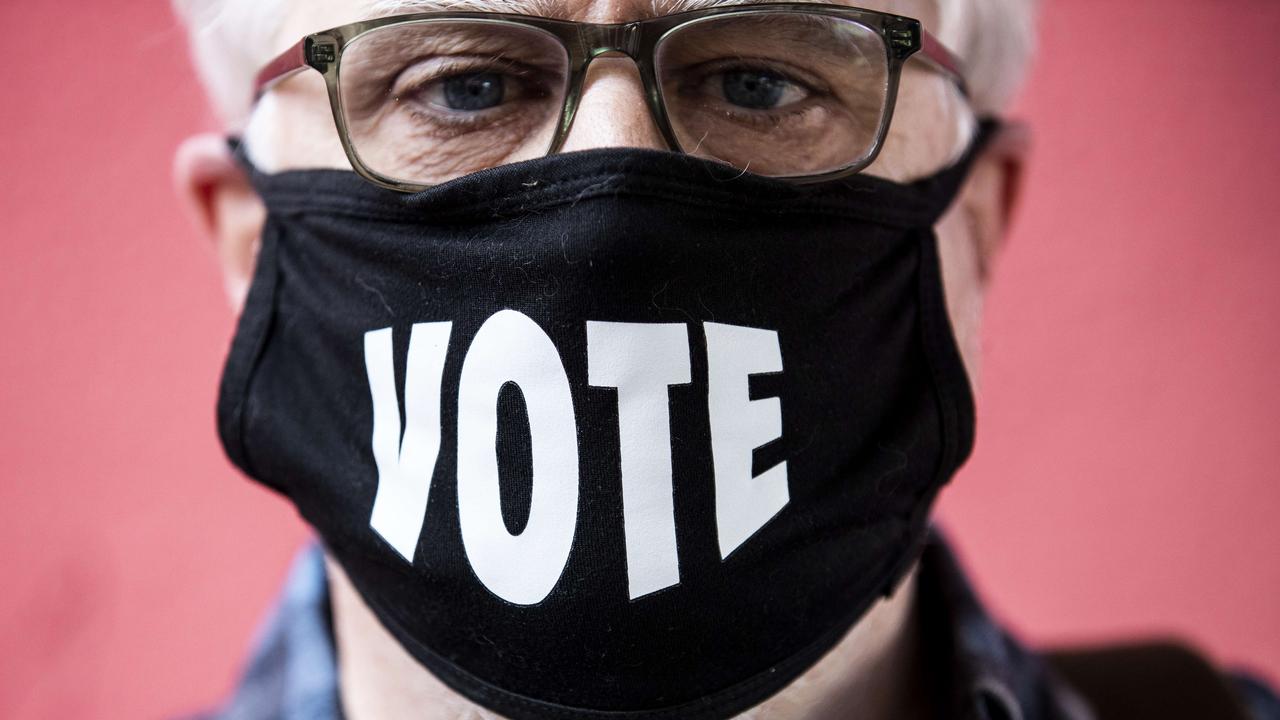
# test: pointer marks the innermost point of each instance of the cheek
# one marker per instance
(292, 127)
(930, 129)
(962, 285)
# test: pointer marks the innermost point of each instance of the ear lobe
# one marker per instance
(223, 205)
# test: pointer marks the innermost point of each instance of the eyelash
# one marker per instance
(767, 119)
(812, 85)
(454, 68)
(461, 122)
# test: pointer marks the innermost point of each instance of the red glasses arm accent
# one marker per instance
(285, 64)
(942, 60)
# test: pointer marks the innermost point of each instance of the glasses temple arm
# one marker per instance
(942, 60)
(284, 65)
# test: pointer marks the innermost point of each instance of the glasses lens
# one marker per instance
(429, 101)
(779, 94)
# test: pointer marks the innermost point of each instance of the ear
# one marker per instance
(993, 191)
(223, 205)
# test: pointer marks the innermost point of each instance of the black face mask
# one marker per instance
(616, 433)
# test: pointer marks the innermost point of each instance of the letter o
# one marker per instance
(523, 568)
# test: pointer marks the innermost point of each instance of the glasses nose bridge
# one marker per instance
(601, 39)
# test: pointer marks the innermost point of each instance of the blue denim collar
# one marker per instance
(292, 672)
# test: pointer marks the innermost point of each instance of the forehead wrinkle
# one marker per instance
(564, 9)
(669, 7)
(544, 8)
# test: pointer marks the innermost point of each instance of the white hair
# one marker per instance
(231, 39)
(995, 39)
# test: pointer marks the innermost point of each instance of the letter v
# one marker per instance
(405, 466)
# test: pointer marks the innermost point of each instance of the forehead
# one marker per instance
(307, 16)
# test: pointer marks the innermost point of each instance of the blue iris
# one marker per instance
(755, 89)
(473, 91)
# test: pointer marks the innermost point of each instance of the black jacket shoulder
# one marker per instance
(1168, 680)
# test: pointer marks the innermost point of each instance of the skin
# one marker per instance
(877, 667)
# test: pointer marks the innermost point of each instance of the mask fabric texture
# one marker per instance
(618, 433)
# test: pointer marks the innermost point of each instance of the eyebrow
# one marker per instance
(544, 8)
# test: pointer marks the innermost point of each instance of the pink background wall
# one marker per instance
(1125, 479)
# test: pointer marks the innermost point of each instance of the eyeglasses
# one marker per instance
(797, 91)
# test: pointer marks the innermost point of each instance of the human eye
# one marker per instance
(754, 88)
(463, 93)
(468, 91)
(429, 101)
(751, 92)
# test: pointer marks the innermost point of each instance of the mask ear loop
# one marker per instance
(240, 151)
(943, 187)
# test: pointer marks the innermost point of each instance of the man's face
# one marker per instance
(292, 127)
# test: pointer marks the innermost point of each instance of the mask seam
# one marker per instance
(931, 300)
(953, 387)
(596, 185)
(262, 311)
(364, 213)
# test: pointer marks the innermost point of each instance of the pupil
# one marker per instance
(753, 89)
(474, 91)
